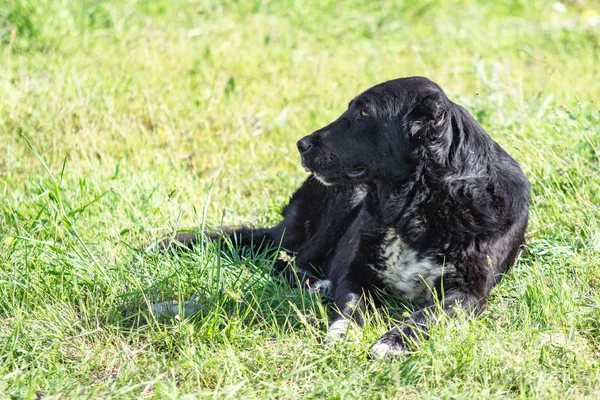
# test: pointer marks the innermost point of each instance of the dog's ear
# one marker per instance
(427, 117)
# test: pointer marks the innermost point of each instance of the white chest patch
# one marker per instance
(403, 270)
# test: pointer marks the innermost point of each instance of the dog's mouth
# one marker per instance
(356, 173)
(306, 169)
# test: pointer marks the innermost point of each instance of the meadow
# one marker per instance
(124, 120)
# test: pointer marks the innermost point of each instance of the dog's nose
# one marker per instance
(303, 145)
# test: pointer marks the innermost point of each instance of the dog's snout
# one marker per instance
(303, 145)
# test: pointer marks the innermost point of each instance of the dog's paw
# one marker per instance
(153, 248)
(162, 245)
(342, 329)
(181, 241)
(323, 288)
(390, 345)
(337, 331)
(382, 349)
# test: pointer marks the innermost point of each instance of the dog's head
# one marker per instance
(381, 135)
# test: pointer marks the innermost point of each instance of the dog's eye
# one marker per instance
(364, 113)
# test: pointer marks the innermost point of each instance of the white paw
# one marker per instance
(153, 247)
(342, 329)
(323, 287)
(338, 329)
(385, 349)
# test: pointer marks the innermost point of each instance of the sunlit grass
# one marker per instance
(121, 121)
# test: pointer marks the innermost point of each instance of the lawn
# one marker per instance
(123, 120)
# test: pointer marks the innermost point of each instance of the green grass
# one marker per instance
(121, 121)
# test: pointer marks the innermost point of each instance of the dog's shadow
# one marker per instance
(214, 286)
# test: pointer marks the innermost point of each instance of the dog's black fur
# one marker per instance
(407, 192)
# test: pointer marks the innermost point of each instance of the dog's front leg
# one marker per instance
(400, 339)
(349, 278)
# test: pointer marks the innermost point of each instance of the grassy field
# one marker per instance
(122, 120)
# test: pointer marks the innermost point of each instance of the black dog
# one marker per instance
(408, 193)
